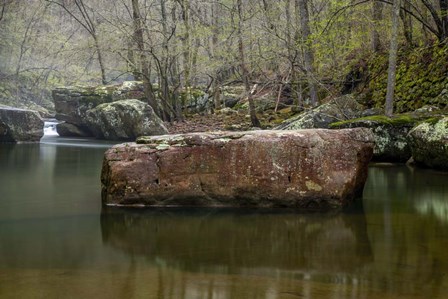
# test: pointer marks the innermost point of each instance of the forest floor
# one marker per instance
(210, 122)
(227, 120)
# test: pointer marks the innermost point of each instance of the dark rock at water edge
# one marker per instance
(124, 120)
(300, 169)
(70, 130)
(429, 143)
(20, 125)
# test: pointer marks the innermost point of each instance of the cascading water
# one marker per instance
(50, 128)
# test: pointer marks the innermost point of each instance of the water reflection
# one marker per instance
(315, 250)
(56, 243)
(50, 179)
(228, 241)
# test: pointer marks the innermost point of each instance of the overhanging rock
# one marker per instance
(300, 169)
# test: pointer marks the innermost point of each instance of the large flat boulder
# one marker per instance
(124, 120)
(299, 169)
(429, 143)
(20, 125)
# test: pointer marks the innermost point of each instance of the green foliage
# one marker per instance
(421, 77)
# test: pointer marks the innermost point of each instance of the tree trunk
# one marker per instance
(185, 6)
(308, 54)
(391, 75)
(213, 50)
(377, 16)
(100, 59)
(444, 17)
(138, 37)
(244, 69)
(407, 22)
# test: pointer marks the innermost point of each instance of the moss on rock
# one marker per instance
(429, 143)
(421, 79)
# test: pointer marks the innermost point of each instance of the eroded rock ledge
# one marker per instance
(300, 169)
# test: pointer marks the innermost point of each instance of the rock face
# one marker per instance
(20, 125)
(69, 130)
(429, 143)
(300, 169)
(342, 108)
(72, 103)
(124, 120)
(391, 144)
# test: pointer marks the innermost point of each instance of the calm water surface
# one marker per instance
(56, 241)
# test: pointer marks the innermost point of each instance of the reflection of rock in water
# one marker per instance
(233, 241)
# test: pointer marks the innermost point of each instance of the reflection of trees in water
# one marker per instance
(406, 211)
(235, 240)
(324, 247)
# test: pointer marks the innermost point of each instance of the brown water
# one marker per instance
(57, 242)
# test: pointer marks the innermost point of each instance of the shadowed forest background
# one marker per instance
(306, 51)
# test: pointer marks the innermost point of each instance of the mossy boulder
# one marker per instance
(72, 103)
(391, 144)
(20, 125)
(338, 109)
(124, 120)
(429, 143)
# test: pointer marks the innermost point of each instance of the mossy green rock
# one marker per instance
(391, 144)
(429, 143)
(124, 120)
(342, 108)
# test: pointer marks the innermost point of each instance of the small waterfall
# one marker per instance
(50, 127)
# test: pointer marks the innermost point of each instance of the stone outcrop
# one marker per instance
(339, 109)
(300, 169)
(391, 144)
(20, 125)
(124, 120)
(70, 130)
(429, 143)
(72, 103)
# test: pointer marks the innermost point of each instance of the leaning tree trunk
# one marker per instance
(391, 77)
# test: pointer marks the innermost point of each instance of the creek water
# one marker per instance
(57, 241)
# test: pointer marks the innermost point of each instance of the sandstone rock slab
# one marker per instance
(298, 169)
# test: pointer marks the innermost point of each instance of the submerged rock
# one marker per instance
(342, 108)
(391, 144)
(300, 169)
(429, 143)
(20, 125)
(124, 120)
